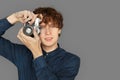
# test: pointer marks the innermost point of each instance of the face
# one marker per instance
(49, 35)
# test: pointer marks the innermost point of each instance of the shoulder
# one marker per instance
(70, 64)
(70, 58)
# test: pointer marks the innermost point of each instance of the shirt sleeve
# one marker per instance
(67, 72)
(6, 47)
(4, 25)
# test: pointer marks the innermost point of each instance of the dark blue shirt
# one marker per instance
(55, 65)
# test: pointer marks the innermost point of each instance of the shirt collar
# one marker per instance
(52, 53)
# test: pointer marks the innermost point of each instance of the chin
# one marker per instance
(49, 44)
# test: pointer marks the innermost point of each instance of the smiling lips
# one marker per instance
(49, 39)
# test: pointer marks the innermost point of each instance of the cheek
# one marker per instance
(55, 34)
(41, 37)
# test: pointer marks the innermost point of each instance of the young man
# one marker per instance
(41, 57)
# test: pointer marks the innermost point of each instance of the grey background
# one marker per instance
(91, 31)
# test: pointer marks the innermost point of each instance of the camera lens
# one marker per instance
(27, 31)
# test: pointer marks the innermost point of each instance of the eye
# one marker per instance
(51, 26)
(42, 26)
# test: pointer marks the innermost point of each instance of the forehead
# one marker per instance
(48, 20)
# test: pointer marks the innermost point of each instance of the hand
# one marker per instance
(22, 16)
(32, 43)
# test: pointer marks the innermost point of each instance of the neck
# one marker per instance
(49, 48)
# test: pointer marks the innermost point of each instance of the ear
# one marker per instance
(59, 31)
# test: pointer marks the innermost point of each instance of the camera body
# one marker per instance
(28, 29)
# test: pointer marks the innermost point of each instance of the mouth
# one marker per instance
(48, 39)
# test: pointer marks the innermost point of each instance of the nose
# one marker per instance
(47, 31)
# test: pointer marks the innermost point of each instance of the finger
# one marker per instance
(20, 33)
(21, 16)
(24, 35)
(33, 18)
(23, 41)
(35, 34)
(22, 20)
(23, 38)
(41, 16)
(28, 19)
(27, 15)
(20, 38)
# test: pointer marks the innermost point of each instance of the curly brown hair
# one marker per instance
(50, 15)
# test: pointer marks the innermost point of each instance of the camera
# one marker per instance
(28, 29)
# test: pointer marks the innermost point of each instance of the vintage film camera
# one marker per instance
(28, 29)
